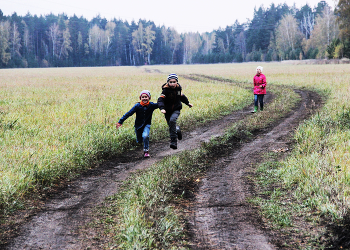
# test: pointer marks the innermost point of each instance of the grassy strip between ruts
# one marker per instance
(146, 214)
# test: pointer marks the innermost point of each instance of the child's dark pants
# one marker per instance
(171, 120)
(259, 99)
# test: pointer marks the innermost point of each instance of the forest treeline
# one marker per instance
(275, 33)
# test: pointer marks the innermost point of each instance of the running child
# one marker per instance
(144, 111)
(170, 105)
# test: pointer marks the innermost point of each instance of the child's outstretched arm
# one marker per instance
(161, 104)
(118, 125)
(184, 99)
(126, 116)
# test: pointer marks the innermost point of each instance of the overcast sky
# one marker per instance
(183, 15)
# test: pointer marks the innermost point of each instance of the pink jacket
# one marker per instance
(259, 80)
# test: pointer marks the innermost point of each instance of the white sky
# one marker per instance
(183, 15)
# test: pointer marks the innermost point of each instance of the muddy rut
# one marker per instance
(221, 217)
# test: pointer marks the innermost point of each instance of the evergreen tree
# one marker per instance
(343, 18)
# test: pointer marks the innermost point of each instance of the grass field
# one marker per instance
(56, 122)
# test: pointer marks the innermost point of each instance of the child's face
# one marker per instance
(144, 98)
(172, 83)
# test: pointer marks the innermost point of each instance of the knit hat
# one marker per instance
(145, 92)
(259, 67)
(172, 76)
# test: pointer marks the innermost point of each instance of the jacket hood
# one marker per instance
(166, 86)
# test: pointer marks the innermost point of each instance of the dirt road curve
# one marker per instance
(222, 219)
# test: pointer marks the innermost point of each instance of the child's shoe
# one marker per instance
(179, 134)
(146, 154)
(173, 143)
(255, 109)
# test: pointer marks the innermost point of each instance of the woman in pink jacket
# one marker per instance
(259, 89)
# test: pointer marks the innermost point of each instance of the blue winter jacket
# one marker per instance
(143, 114)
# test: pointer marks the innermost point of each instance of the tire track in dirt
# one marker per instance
(57, 225)
(220, 216)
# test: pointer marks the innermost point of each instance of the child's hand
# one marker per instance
(190, 105)
(118, 125)
(163, 111)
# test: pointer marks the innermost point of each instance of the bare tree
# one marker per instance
(99, 40)
(137, 39)
(65, 43)
(108, 36)
(60, 40)
(240, 45)
(80, 40)
(209, 40)
(148, 42)
(307, 24)
(54, 34)
(15, 41)
(26, 38)
(175, 40)
(165, 35)
(343, 18)
(5, 56)
(143, 39)
(325, 30)
(288, 36)
(95, 39)
(192, 43)
(221, 45)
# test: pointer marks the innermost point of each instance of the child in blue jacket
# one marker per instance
(144, 111)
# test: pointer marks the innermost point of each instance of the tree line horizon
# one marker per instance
(275, 33)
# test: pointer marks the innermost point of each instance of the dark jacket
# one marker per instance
(143, 114)
(171, 98)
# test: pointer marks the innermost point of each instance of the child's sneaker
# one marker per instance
(179, 134)
(146, 155)
(173, 143)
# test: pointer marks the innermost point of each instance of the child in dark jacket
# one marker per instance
(144, 111)
(170, 105)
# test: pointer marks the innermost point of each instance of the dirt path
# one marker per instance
(221, 217)
(56, 225)
(220, 221)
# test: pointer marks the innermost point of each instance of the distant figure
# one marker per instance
(170, 105)
(144, 111)
(259, 89)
